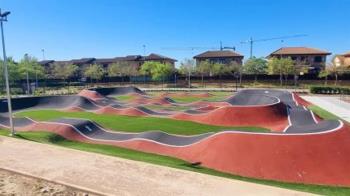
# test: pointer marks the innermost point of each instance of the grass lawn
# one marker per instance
(135, 124)
(323, 113)
(50, 138)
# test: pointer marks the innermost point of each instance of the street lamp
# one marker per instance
(3, 18)
(27, 74)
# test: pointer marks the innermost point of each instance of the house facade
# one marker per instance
(220, 56)
(314, 59)
(132, 60)
(343, 59)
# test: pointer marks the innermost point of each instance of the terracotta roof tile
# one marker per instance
(218, 53)
(299, 50)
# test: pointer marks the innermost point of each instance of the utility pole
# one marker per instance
(251, 47)
(43, 51)
(3, 18)
(26, 62)
(144, 49)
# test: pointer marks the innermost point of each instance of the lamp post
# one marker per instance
(27, 74)
(3, 18)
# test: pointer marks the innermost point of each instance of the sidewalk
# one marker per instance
(331, 104)
(115, 176)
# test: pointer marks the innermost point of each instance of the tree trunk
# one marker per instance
(189, 80)
(326, 80)
(162, 82)
(281, 79)
(202, 80)
(255, 78)
(240, 79)
(336, 79)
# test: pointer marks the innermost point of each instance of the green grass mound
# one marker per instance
(136, 124)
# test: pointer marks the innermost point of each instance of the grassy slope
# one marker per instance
(323, 113)
(51, 138)
(135, 124)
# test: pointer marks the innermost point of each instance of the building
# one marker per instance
(220, 56)
(132, 60)
(314, 58)
(343, 59)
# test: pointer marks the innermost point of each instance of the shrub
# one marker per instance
(329, 90)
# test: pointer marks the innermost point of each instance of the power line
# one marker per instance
(251, 41)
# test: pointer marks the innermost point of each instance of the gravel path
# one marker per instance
(116, 176)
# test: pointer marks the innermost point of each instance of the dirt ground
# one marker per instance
(15, 184)
(111, 175)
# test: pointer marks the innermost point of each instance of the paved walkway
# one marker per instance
(115, 176)
(332, 104)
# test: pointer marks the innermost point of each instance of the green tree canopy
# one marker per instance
(187, 67)
(161, 71)
(147, 67)
(203, 68)
(12, 70)
(29, 65)
(64, 71)
(335, 69)
(255, 66)
(94, 71)
(157, 70)
(122, 69)
(281, 66)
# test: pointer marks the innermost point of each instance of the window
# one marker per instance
(318, 59)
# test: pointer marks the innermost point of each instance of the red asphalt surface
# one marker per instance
(90, 94)
(317, 158)
(273, 117)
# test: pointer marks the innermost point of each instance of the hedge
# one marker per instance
(329, 90)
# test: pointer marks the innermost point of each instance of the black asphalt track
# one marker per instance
(117, 90)
(48, 102)
(301, 119)
(92, 130)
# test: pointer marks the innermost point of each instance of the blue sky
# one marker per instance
(69, 29)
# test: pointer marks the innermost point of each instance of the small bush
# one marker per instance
(329, 90)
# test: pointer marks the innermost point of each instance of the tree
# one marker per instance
(12, 70)
(255, 66)
(219, 69)
(233, 68)
(146, 69)
(187, 68)
(335, 69)
(203, 68)
(29, 68)
(324, 74)
(282, 67)
(94, 71)
(157, 70)
(122, 69)
(29, 65)
(161, 71)
(64, 71)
